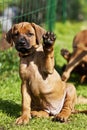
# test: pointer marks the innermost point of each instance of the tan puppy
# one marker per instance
(78, 56)
(43, 91)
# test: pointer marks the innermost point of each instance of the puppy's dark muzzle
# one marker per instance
(22, 45)
(22, 41)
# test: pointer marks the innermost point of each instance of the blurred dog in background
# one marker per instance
(77, 60)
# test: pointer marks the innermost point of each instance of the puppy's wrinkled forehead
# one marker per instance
(28, 30)
(23, 28)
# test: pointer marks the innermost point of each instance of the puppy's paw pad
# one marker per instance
(49, 38)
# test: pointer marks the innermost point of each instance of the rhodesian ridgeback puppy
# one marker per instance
(43, 92)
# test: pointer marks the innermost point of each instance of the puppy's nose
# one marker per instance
(22, 40)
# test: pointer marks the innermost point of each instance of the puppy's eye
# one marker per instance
(16, 34)
(29, 34)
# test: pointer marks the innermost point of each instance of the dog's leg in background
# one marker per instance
(66, 54)
(48, 46)
(75, 59)
(26, 102)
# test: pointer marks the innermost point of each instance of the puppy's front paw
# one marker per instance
(60, 117)
(24, 119)
(49, 39)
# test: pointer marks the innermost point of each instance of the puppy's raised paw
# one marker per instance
(49, 39)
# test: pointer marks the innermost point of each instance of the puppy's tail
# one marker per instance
(78, 111)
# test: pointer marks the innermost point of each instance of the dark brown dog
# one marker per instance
(43, 91)
(78, 56)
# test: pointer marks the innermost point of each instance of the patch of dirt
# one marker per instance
(3, 43)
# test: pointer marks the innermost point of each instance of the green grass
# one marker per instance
(10, 97)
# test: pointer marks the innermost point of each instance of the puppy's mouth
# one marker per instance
(23, 47)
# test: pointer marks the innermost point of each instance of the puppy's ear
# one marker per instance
(8, 37)
(39, 32)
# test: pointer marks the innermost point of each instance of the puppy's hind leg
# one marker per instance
(69, 104)
(39, 114)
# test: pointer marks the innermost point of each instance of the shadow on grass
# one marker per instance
(10, 108)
